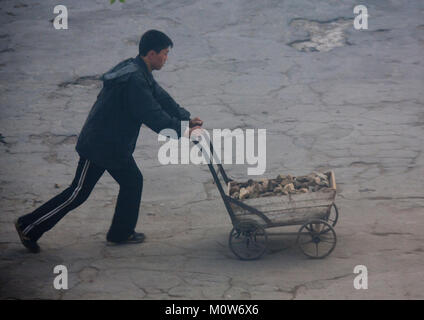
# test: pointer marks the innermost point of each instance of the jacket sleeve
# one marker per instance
(145, 108)
(169, 104)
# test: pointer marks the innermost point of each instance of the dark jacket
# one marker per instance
(129, 98)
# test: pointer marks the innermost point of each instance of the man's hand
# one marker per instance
(195, 122)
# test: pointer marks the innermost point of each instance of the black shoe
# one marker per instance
(134, 238)
(31, 245)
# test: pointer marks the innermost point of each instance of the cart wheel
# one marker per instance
(248, 240)
(317, 239)
(333, 215)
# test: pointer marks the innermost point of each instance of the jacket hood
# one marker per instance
(120, 73)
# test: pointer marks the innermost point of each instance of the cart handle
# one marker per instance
(217, 161)
(226, 198)
(216, 179)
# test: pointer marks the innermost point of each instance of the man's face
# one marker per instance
(157, 60)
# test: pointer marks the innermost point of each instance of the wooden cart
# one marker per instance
(315, 212)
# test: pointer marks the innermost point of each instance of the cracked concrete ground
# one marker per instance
(329, 96)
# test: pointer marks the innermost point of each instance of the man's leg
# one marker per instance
(125, 218)
(34, 224)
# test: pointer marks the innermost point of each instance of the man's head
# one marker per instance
(153, 48)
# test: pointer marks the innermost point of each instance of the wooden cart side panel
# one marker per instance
(288, 201)
(269, 207)
(288, 217)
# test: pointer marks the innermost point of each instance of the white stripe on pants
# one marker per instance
(63, 205)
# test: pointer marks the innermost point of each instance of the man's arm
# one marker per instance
(169, 104)
(146, 109)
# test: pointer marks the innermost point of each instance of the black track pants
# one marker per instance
(130, 181)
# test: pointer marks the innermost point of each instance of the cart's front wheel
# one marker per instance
(248, 240)
(317, 239)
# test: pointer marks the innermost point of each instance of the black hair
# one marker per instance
(153, 40)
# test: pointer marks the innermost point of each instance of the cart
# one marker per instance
(316, 213)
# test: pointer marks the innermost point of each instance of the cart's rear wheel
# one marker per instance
(317, 239)
(333, 215)
(248, 240)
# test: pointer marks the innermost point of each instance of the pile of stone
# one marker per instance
(281, 185)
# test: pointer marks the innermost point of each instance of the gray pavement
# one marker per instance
(330, 97)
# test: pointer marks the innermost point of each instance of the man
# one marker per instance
(130, 97)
